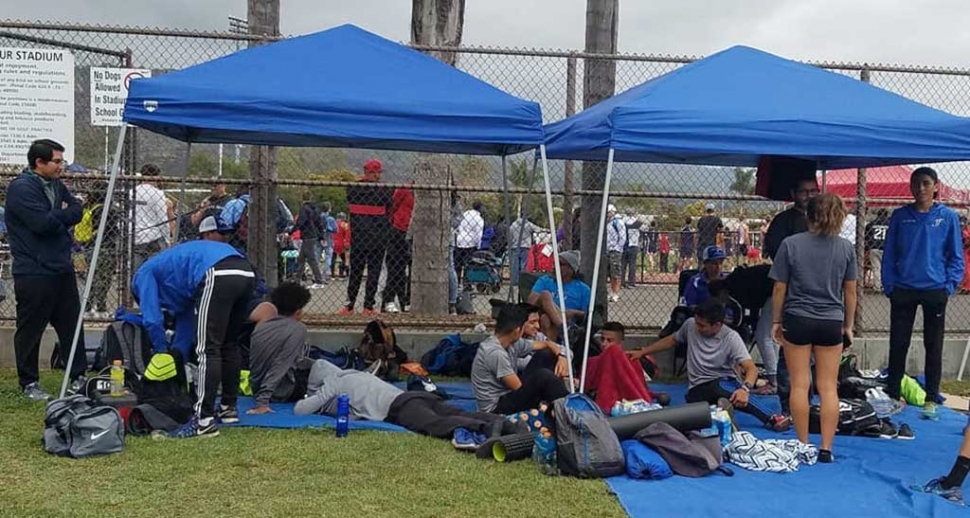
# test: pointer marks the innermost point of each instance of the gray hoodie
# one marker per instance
(370, 397)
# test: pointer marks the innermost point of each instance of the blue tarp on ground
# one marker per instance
(739, 104)
(343, 87)
(283, 416)
(869, 478)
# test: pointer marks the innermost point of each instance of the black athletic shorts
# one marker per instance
(811, 331)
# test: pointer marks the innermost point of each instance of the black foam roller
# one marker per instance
(513, 447)
(693, 416)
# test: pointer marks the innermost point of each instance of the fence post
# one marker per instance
(567, 199)
(860, 233)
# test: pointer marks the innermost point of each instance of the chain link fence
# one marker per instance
(361, 249)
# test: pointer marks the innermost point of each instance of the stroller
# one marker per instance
(484, 271)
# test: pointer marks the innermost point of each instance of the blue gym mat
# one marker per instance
(870, 477)
(283, 416)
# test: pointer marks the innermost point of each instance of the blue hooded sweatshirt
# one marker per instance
(169, 281)
(923, 250)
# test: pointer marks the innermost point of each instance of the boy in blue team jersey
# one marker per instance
(922, 265)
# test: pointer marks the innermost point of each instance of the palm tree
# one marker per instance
(744, 181)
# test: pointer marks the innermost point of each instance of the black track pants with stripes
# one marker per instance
(220, 305)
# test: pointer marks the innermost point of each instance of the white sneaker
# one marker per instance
(91, 315)
(391, 308)
(317, 286)
(614, 298)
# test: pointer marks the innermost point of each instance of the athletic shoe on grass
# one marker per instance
(196, 428)
(33, 392)
(934, 487)
(467, 440)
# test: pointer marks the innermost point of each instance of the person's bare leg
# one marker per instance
(798, 359)
(550, 329)
(827, 361)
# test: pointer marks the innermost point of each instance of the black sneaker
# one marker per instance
(905, 432)
(207, 427)
(825, 456)
(33, 392)
(887, 430)
(228, 414)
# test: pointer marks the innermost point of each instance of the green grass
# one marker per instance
(262, 472)
(957, 388)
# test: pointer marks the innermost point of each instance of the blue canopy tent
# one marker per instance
(740, 104)
(343, 87)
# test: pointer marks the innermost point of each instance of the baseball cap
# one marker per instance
(572, 259)
(611, 208)
(713, 253)
(214, 224)
(373, 166)
(710, 206)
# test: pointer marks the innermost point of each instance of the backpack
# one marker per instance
(586, 445)
(128, 342)
(84, 231)
(856, 417)
(690, 456)
(76, 427)
(379, 344)
(165, 388)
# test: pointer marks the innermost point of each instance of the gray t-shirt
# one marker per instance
(815, 267)
(492, 363)
(711, 358)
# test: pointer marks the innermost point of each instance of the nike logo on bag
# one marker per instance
(96, 436)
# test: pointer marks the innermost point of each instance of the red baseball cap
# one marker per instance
(373, 166)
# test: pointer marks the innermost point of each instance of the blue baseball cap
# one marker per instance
(714, 253)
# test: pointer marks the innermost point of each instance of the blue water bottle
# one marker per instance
(343, 415)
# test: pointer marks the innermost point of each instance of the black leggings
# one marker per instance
(902, 313)
(711, 391)
(539, 383)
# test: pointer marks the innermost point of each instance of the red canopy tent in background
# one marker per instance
(886, 183)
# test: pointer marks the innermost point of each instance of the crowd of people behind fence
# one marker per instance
(317, 240)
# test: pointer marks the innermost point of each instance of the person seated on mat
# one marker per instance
(697, 289)
(530, 331)
(545, 295)
(277, 364)
(376, 400)
(496, 385)
(611, 376)
(714, 351)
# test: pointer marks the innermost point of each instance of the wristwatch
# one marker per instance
(747, 386)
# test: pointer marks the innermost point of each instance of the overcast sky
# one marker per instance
(928, 32)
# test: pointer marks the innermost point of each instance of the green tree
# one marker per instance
(744, 181)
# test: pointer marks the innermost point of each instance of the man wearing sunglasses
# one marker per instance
(39, 216)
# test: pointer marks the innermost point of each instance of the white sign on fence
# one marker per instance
(109, 89)
(36, 101)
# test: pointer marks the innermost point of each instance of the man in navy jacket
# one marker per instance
(922, 265)
(40, 213)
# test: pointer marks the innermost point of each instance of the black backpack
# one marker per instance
(127, 342)
(856, 417)
(170, 397)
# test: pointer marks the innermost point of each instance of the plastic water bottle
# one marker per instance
(722, 421)
(343, 415)
(117, 379)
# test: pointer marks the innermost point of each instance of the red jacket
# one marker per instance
(341, 238)
(402, 206)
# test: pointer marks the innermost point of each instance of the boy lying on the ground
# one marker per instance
(375, 400)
